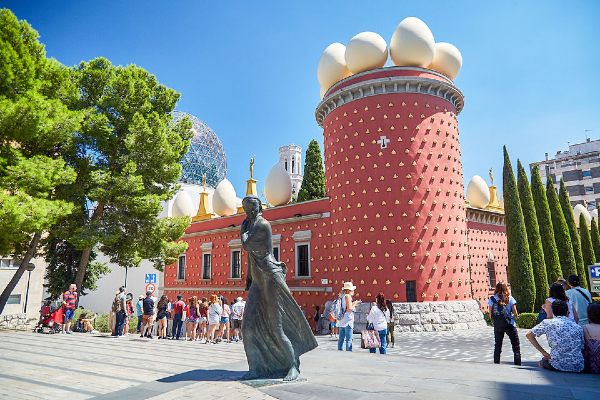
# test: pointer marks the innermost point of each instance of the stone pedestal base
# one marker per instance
(429, 316)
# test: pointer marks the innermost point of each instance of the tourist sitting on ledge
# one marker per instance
(565, 338)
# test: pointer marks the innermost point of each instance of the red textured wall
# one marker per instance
(398, 212)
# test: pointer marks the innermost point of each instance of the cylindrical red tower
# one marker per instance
(394, 176)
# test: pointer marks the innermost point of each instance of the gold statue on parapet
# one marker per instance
(491, 174)
(204, 182)
(252, 167)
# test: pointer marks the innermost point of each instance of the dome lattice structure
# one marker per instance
(205, 156)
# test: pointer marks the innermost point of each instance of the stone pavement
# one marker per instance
(81, 366)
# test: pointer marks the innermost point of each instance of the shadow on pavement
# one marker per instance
(204, 375)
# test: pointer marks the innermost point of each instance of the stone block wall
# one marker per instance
(17, 322)
(429, 316)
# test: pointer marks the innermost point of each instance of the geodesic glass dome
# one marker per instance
(205, 156)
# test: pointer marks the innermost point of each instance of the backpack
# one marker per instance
(500, 314)
(117, 305)
(542, 315)
(339, 308)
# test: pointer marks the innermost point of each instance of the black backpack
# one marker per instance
(501, 316)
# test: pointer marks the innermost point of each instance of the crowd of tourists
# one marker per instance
(568, 318)
(208, 320)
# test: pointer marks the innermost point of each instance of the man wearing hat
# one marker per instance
(237, 314)
(139, 312)
(346, 323)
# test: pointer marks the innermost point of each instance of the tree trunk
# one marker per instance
(85, 254)
(22, 268)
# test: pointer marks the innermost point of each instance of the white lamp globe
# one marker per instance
(446, 60)
(478, 192)
(366, 51)
(332, 65)
(412, 43)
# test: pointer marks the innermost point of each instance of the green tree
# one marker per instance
(128, 155)
(561, 232)
(533, 236)
(313, 183)
(520, 272)
(595, 240)
(587, 249)
(565, 204)
(36, 126)
(553, 271)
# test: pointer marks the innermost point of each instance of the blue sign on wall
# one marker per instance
(595, 271)
(150, 278)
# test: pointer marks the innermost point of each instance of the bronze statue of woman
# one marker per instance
(275, 331)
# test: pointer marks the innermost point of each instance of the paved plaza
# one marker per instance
(455, 365)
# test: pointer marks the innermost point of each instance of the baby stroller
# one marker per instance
(50, 321)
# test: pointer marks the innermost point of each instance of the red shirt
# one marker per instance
(70, 298)
(178, 307)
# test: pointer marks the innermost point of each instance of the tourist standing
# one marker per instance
(377, 316)
(237, 317)
(130, 310)
(565, 338)
(192, 317)
(557, 292)
(161, 316)
(139, 311)
(203, 321)
(69, 303)
(178, 317)
(389, 313)
(119, 307)
(591, 332)
(214, 318)
(503, 312)
(346, 322)
(224, 321)
(580, 298)
(148, 317)
(316, 318)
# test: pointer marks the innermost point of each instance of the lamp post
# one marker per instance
(30, 267)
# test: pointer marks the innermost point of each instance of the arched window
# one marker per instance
(293, 166)
(285, 165)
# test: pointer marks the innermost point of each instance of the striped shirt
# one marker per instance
(70, 298)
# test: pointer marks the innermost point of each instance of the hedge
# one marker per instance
(527, 320)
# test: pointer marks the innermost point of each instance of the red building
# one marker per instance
(395, 219)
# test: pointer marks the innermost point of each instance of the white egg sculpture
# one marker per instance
(412, 43)
(278, 186)
(183, 206)
(478, 192)
(580, 209)
(446, 60)
(366, 51)
(322, 92)
(224, 200)
(594, 214)
(332, 65)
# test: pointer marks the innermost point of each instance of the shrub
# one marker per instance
(527, 320)
(81, 311)
(101, 323)
(133, 324)
(486, 317)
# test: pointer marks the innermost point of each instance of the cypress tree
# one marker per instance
(533, 236)
(520, 273)
(565, 204)
(561, 232)
(587, 251)
(553, 271)
(313, 183)
(595, 240)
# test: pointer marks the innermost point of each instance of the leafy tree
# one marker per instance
(595, 240)
(533, 236)
(561, 232)
(587, 250)
(128, 156)
(565, 204)
(37, 125)
(313, 182)
(553, 271)
(520, 272)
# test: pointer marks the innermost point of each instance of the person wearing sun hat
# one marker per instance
(346, 323)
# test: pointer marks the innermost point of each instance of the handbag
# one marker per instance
(369, 338)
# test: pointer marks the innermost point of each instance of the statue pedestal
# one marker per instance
(259, 383)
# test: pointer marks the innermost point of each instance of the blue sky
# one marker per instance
(248, 69)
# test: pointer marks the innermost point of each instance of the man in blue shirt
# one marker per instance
(580, 298)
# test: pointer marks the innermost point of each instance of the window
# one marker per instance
(206, 259)
(236, 264)
(286, 165)
(411, 291)
(589, 189)
(587, 174)
(491, 267)
(276, 252)
(6, 263)
(181, 267)
(303, 262)
(293, 166)
(14, 299)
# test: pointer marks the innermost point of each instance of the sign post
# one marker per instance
(594, 275)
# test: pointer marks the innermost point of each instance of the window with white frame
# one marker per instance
(181, 267)
(206, 265)
(236, 264)
(14, 299)
(276, 240)
(302, 239)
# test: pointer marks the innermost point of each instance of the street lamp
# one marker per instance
(30, 267)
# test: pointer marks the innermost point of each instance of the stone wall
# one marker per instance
(429, 316)
(17, 322)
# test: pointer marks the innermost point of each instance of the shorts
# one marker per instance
(224, 320)
(333, 324)
(237, 323)
(193, 320)
(213, 322)
(147, 319)
(69, 313)
(202, 320)
(162, 315)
